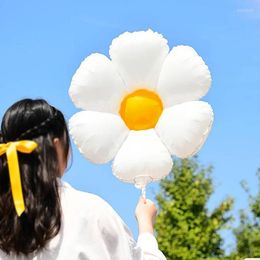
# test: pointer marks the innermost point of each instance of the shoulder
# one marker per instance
(89, 218)
(86, 207)
(85, 202)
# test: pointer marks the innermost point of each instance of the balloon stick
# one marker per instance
(141, 182)
(144, 192)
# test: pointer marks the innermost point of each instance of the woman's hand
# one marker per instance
(145, 213)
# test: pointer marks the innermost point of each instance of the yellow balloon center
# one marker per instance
(141, 109)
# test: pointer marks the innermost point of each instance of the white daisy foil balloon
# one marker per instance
(141, 106)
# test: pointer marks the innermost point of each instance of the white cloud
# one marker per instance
(250, 9)
(245, 10)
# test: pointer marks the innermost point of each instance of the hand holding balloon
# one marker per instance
(145, 213)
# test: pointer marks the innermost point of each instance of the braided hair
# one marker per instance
(41, 221)
(40, 129)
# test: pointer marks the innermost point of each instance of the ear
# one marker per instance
(60, 155)
(58, 145)
(56, 141)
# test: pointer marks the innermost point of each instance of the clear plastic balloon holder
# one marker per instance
(141, 182)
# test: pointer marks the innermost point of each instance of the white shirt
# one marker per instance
(92, 230)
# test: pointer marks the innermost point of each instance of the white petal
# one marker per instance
(98, 135)
(138, 57)
(96, 85)
(184, 77)
(142, 154)
(184, 128)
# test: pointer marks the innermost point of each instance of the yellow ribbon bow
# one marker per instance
(11, 149)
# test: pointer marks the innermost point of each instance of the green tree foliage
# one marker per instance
(185, 229)
(248, 231)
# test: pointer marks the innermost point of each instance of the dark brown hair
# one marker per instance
(38, 121)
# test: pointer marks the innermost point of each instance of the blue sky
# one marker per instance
(43, 42)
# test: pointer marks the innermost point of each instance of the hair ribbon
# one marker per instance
(11, 148)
